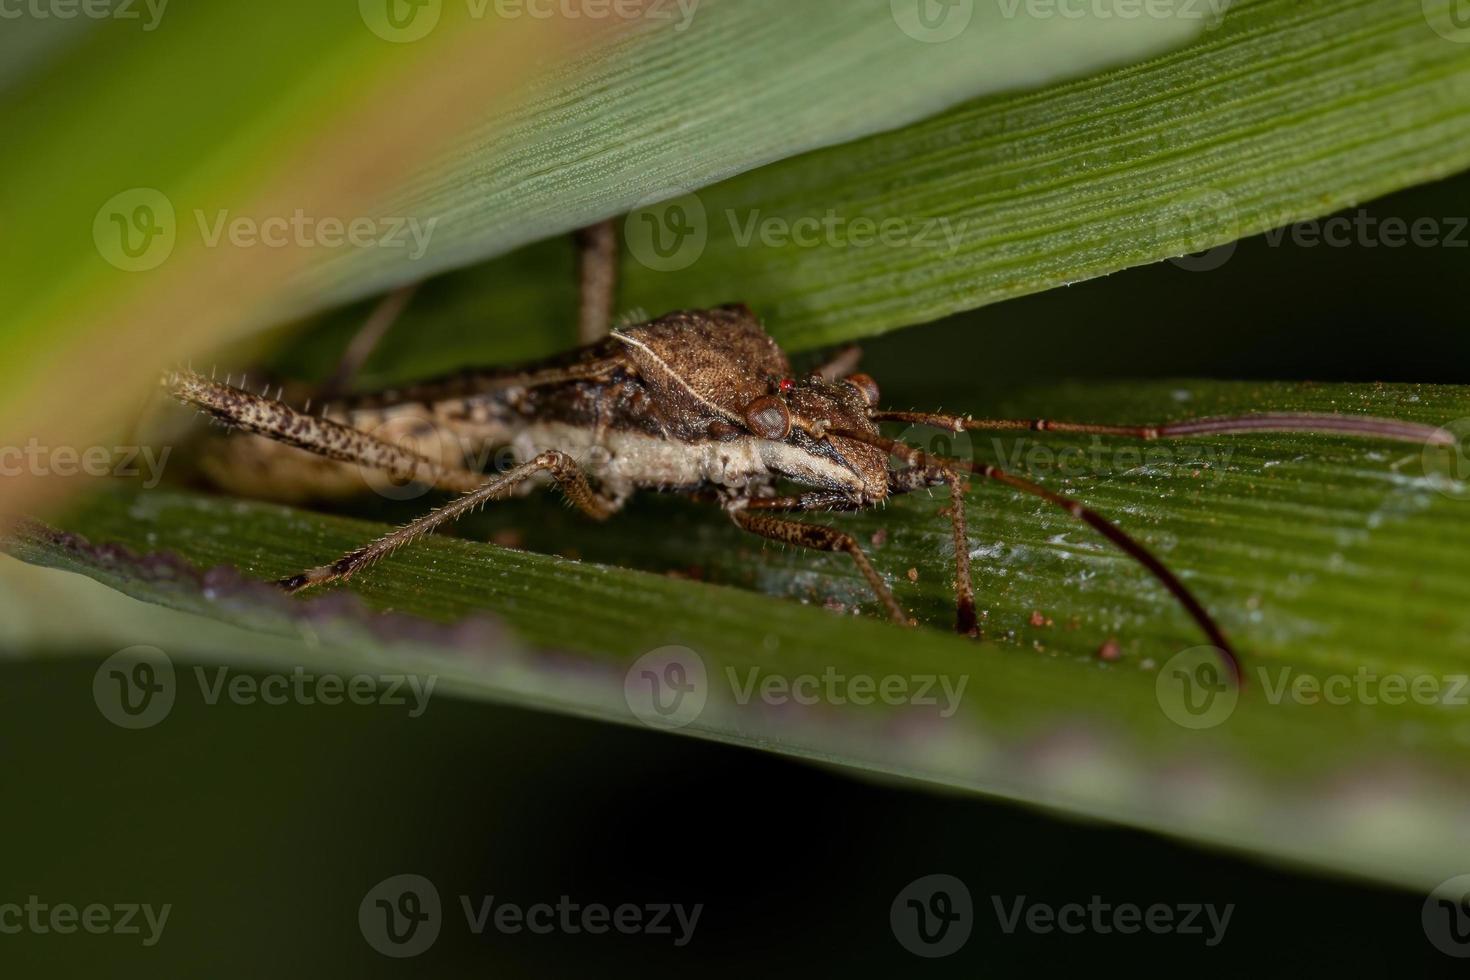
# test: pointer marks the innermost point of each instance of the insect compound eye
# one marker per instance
(768, 417)
(866, 387)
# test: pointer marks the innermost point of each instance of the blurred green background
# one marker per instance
(264, 826)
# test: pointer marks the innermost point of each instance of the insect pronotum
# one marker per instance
(698, 402)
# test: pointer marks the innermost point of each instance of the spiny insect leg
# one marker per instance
(1105, 527)
(918, 477)
(561, 466)
(597, 272)
(1313, 423)
(282, 423)
(820, 538)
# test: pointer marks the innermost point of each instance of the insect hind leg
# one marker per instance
(561, 466)
(324, 437)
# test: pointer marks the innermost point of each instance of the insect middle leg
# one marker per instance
(561, 466)
(333, 440)
(920, 477)
(820, 538)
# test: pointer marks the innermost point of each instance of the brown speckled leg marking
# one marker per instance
(919, 477)
(820, 538)
(561, 466)
(324, 437)
(597, 270)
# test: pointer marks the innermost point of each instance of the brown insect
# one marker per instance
(699, 402)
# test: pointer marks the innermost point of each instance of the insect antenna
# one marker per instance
(1314, 423)
(1120, 538)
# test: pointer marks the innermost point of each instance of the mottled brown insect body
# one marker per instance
(698, 402)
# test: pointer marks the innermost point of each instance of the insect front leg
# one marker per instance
(820, 538)
(561, 466)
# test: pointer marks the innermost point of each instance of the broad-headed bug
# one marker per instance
(699, 402)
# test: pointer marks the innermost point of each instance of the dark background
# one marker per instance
(265, 826)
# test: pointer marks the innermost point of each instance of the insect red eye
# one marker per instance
(866, 387)
(768, 417)
(786, 384)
